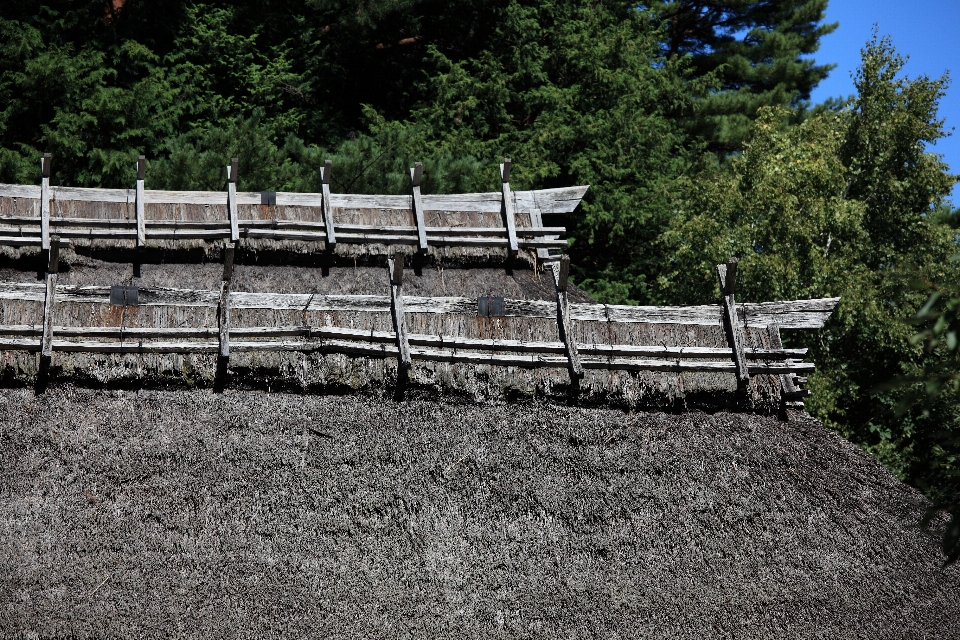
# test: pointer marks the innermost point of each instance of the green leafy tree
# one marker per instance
(757, 49)
(846, 204)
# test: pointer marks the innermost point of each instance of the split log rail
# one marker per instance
(225, 339)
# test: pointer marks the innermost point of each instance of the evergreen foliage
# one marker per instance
(756, 50)
(625, 97)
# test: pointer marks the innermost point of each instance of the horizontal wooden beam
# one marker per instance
(548, 201)
(797, 314)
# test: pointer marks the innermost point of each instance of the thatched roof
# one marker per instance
(255, 514)
(138, 499)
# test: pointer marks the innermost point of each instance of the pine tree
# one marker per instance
(754, 49)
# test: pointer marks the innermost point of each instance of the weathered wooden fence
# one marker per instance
(135, 226)
(47, 338)
(126, 222)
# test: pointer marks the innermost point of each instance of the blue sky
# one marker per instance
(924, 30)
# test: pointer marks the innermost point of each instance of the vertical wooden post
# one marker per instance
(224, 307)
(508, 214)
(327, 205)
(790, 394)
(141, 220)
(49, 306)
(415, 174)
(45, 202)
(731, 322)
(232, 171)
(395, 269)
(560, 271)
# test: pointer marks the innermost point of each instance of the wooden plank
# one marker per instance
(564, 325)
(508, 207)
(156, 296)
(417, 202)
(45, 201)
(141, 217)
(20, 241)
(438, 341)
(232, 173)
(727, 274)
(27, 191)
(395, 270)
(18, 221)
(328, 205)
(563, 200)
(87, 194)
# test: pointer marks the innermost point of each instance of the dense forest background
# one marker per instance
(689, 119)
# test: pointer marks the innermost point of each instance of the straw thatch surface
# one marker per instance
(249, 514)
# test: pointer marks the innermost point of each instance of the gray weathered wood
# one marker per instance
(53, 256)
(49, 309)
(563, 273)
(788, 390)
(508, 207)
(232, 170)
(795, 312)
(727, 274)
(562, 200)
(26, 191)
(45, 202)
(223, 319)
(229, 249)
(141, 216)
(395, 271)
(417, 205)
(565, 326)
(328, 205)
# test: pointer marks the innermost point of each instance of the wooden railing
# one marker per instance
(37, 230)
(47, 338)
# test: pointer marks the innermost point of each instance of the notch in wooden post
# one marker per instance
(141, 167)
(325, 172)
(45, 165)
(505, 170)
(234, 169)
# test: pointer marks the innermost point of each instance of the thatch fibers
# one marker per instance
(251, 514)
